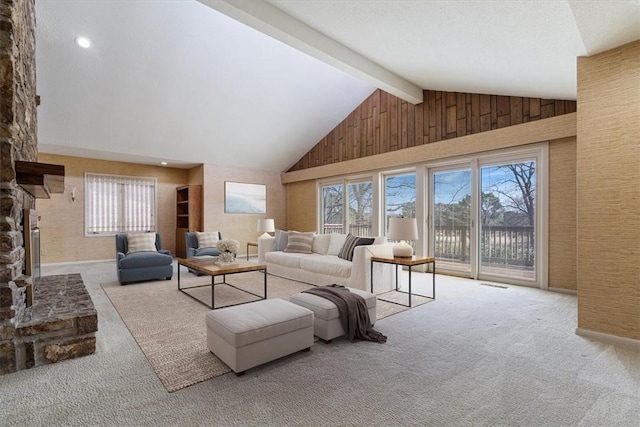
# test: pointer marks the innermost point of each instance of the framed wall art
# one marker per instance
(241, 198)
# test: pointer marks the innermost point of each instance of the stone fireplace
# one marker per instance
(42, 320)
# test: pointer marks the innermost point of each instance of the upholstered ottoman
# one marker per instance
(248, 335)
(326, 322)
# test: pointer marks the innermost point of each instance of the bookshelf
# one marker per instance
(189, 215)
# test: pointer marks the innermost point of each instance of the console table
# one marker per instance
(409, 262)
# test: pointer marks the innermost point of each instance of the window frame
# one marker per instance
(88, 199)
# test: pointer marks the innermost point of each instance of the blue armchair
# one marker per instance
(140, 266)
(192, 246)
(194, 250)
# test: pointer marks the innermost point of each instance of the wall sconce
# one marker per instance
(73, 194)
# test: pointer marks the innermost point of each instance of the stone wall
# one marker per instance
(17, 126)
(17, 142)
(60, 326)
(49, 319)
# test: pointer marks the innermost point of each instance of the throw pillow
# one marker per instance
(321, 243)
(336, 243)
(141, 242)
(350, 243)
(300, 242)
(207, 239)
(280, 241)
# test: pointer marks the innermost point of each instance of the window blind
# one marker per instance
(119, 204)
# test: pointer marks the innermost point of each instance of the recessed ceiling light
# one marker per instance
(83, 42)
(163, 163)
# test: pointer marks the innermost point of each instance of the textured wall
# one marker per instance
(385, 123)
(18, 131)
(302, 209)
(562, 214)
(608, 192)
(241, 227)
(62, 224)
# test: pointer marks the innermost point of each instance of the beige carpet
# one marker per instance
(170, 327)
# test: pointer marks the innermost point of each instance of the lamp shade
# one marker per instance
(403, 229)
(266, 226)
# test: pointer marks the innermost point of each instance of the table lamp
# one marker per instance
(266, 226)
(403, 229)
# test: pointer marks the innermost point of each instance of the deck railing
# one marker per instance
(363, 230)
(498, 244)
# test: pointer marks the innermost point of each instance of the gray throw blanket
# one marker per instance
(353, 312)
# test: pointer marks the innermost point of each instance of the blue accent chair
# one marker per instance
(142, 266)
(192, 246)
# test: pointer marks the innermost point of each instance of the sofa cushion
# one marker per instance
(280, 240)
(350, 243)
(141, 242)
(321, 244)
(300, 242)
(145, 259)
(336, 243)
(291, 260)
(329, 265)
(207, 239)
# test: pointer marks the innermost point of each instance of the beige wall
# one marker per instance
(562, 214)
(241, 227)
(62, 224)
(302, 207)
(196, 175)
(608, 192)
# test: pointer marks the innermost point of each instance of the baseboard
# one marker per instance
(608, 338)
(53, 264)
(563, 291)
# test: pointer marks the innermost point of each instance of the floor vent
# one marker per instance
(494, 286)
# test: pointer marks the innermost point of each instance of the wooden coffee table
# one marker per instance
(208, 267)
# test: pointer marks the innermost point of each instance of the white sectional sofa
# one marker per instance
(324, 267)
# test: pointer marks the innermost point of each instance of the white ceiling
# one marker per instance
(184, 82)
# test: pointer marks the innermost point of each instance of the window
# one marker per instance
(347, 207)
(399, 198)
(483, 215)
(332, 208)
(360, 207)
(119, 204)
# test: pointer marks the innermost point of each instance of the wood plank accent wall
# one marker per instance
(385, 123)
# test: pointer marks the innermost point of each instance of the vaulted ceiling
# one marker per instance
(256, 84)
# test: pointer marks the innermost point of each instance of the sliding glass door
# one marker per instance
(507, 220)
(487, 216)
(451, 223)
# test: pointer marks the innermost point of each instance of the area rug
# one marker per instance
(169, 326)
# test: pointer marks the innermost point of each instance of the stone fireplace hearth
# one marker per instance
(60, 325)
